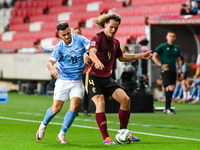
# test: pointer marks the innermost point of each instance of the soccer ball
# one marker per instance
(123, 136)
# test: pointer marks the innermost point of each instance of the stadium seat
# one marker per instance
(45, 18)
(19, 27)
(9, 50)
(18, 44)
(83, 16)
(61, 9)
(105, 6)
(52, 25)
(34, 35)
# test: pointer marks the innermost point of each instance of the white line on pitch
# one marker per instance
(89, 127)
(87, 120)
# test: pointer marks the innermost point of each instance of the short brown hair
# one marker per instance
(62, 26)
(105, 18)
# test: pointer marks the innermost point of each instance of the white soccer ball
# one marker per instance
(123, 136)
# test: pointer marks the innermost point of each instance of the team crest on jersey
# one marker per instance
(72, 48)
(175, 49)
(168, 48)
(93, 43)
(94, 90)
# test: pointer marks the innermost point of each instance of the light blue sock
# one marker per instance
(164, 94)
(49, 115)
(180, 94)
(198, 93)
(68, 119)
(194, 90)
(175, 91)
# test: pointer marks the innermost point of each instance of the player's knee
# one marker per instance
(55, 109)
(126, 101)
(74, 107)
(99, 102)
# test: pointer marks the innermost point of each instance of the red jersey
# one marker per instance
(107, 52)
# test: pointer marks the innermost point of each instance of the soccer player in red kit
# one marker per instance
(104, 49)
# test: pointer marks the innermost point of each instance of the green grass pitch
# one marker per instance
(21, 117)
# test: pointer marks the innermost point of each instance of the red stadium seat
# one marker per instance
(18, 44)
(19, 27)
(16, 20)
(82, 16)
(108, 5)
(9, 50)
(45, 18)
(52, 25)
(61, 9)
(34, 35)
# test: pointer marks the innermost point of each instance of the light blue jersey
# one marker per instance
(70, 57)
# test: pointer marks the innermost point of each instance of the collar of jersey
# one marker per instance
(71, 42)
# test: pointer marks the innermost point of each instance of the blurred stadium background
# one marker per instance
(25, 23)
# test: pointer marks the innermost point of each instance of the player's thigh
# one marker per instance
(120, 96)
(77, 89)
(74, 103)
(61, 90)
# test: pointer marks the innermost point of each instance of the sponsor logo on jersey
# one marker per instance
(168, 48)
(175, 49)
(93, 43)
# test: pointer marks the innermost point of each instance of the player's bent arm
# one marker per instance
(86, 58)
(53, 70)
(156, 60)
(97, 63)
(179, 63)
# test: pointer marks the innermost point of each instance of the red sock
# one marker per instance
(124, 116)
(102, 123)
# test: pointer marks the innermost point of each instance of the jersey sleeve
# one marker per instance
(94, 43)
(159, 49)
(85, 42)
(56, 53)
(119, 51)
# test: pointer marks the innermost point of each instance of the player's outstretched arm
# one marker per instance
(130, 57)
(53, 70)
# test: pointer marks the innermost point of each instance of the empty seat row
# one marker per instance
(136, 3)
(34, 35)
(77, 2)
(40, 26)
(18, 44)
(38, 3)
(81, 16)
(105, 6)
(27, 12)
(148, 10)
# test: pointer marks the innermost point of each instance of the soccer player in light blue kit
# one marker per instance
(71, 53)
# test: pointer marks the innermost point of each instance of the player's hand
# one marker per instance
(147, 55)
(55, 73)
(165, 67)
(38, 47)
(99, 66)
(86, 58)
